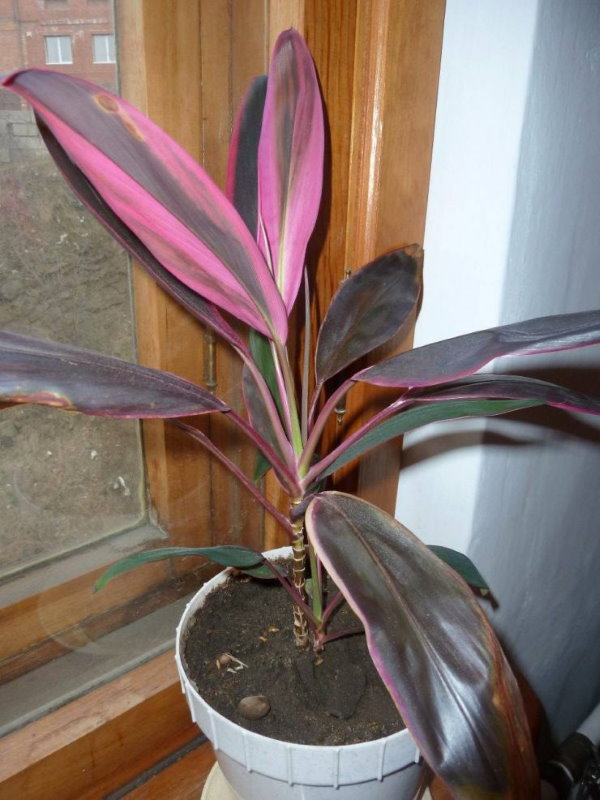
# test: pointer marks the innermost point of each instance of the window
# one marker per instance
(70, 486)
(103, 45)
(58, 50)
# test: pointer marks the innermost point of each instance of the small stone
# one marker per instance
(254, 706)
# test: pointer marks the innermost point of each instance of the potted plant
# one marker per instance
(241, 255)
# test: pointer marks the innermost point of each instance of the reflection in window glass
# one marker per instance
(58, 50)
(65, 479)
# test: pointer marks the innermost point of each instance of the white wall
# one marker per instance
(513, 231)
(482, 96)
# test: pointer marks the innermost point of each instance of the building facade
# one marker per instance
(72, 36)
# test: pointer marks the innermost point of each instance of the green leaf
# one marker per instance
(260, 347)
(417, 416)
(262, 354)
(226, 555)
(263, 572)
(462, 565)
(261, 467)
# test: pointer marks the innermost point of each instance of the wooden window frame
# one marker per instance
(378, 62)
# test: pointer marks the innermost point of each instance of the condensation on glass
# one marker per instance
(65, 480)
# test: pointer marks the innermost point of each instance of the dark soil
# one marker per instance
(339, 701)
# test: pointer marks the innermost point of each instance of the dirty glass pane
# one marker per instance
(65, 480)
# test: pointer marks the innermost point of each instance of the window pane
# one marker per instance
(65, 479)
(103, 48)
(58, 50)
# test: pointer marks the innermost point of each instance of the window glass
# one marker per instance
(65, 480)
(58, 50)
(103, 48)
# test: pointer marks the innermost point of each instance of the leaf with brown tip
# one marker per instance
(433, 648)
(47, 373)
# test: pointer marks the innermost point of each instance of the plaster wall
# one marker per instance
(513, 232)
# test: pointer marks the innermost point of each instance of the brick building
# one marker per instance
(73, 36)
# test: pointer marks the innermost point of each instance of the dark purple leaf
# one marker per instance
(455, 358)
(46, 373)
(433, 648)
(514, 387)
(368, 309)
(242, 169)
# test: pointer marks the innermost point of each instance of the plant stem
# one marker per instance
(268, 400)
(317, 590)
(316, 470)
(235, 470)
(305, 360)
(287, 378)
(289, 588)
(285, 473)
(317, 430)
(299, 571)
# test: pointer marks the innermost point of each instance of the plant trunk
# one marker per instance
(301, 636)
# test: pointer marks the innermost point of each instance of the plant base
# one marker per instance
(258, 767)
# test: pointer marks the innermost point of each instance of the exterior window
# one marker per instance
(58, 50)
(103, 48)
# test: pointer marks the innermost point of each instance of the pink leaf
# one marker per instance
(290, 161)
(160, 193)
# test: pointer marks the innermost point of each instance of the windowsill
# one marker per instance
(61, 681)
(50, 610)
(53, 571)
(103, 740)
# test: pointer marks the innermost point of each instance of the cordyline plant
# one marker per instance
(242, 254)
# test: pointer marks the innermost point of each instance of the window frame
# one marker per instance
(183, 505)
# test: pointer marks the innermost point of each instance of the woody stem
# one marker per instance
(299, 574)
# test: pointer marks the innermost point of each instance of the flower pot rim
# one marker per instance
(192, 606)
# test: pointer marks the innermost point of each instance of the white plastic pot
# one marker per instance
(258, 767)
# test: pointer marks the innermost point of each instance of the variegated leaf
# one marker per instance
(455, 358)
(159, 192)
(290, 161)
(47, 373)
(433, 648)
